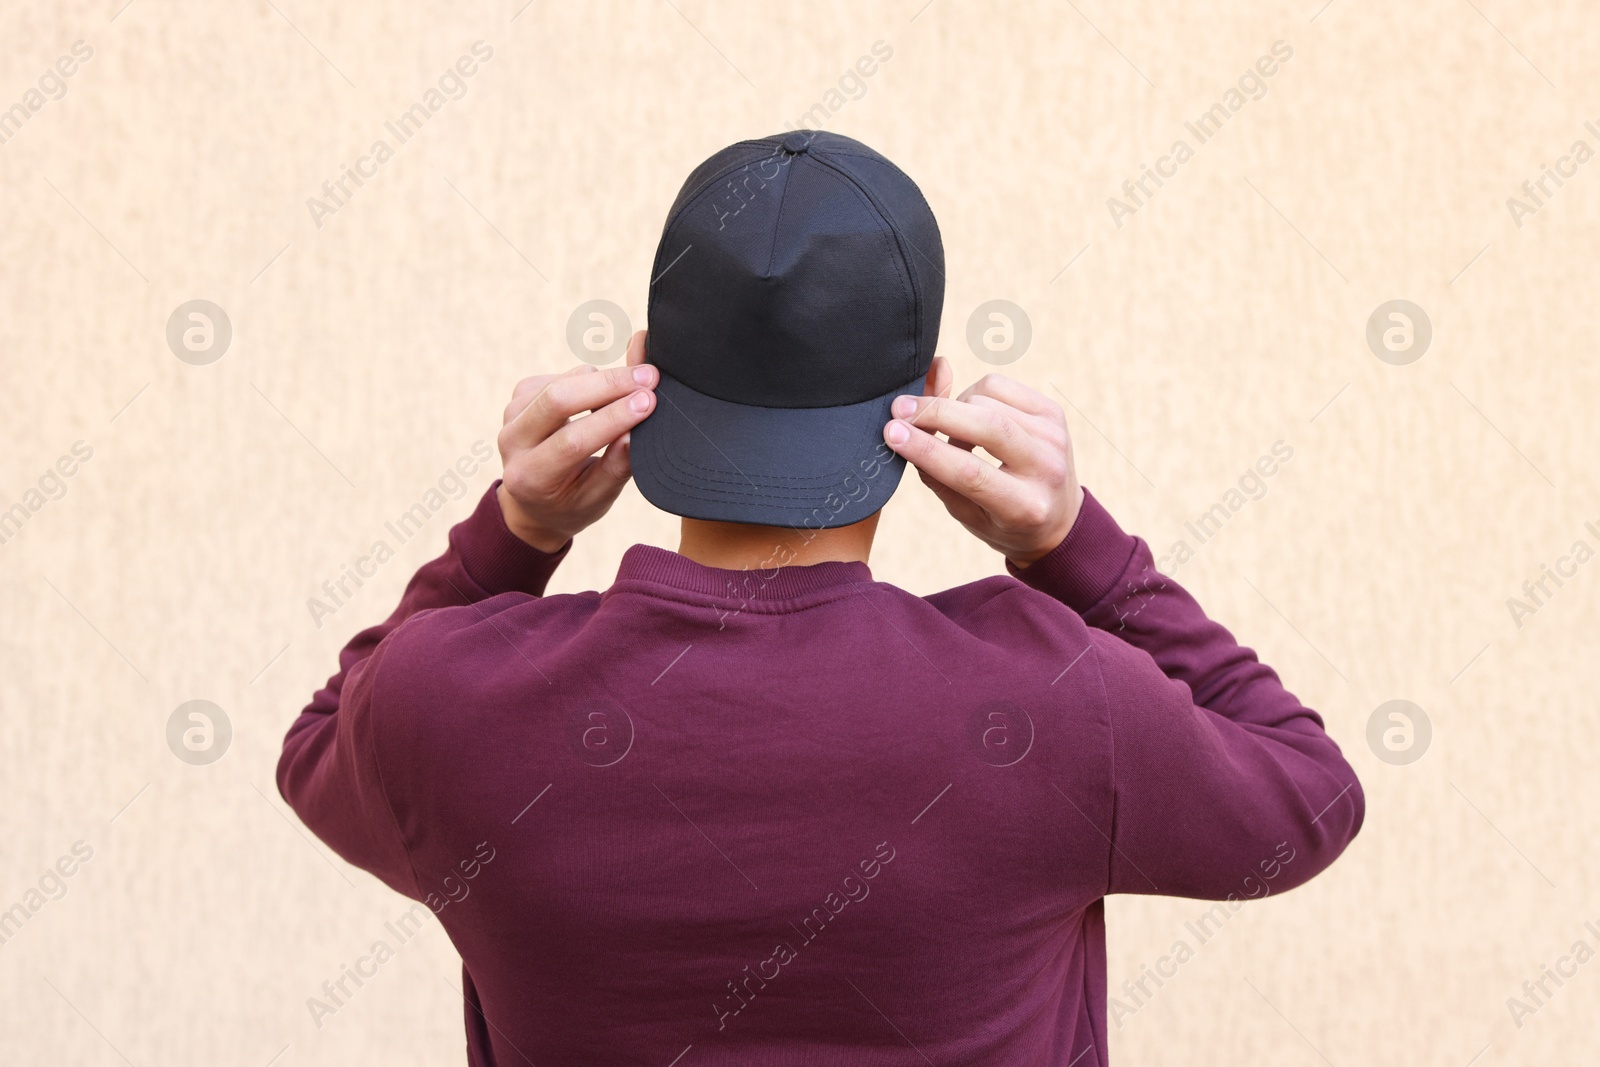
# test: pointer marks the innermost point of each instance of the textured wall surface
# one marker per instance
(1187, 328)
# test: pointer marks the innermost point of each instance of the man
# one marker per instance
(748, 806)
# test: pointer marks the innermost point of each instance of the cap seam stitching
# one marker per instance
(672, 468)
(694, 199)
(682, 465)
(771, 499)
(903, 271)
(783, 199)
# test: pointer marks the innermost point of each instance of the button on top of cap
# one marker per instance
(797, 142)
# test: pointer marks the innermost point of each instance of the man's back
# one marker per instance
(796, 816)
(748, 806)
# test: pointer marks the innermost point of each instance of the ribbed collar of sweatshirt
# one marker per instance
(775, 588)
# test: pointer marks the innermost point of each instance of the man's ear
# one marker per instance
(941, 378)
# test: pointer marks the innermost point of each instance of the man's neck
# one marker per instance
(739, 546)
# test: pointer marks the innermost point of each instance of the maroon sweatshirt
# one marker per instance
(797, 816)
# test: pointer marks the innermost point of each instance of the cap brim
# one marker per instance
(805, 468)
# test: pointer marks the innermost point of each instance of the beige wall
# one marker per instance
(1226, 314)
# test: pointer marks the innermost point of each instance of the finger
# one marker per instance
(523, 392)
(532, 385)
(1049, 429)
(607, 474)
(960, 508)
(972, 424)
(572, 394)
(1052, 431)
(1012, 392)
(967, 475)
(567, 450)
(635, 349)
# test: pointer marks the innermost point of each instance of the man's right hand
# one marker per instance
(554, 485)
(1023, 508)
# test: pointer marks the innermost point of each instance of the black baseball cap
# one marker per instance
(795, 293)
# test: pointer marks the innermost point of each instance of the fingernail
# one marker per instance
(644, 374)
(904, 406)
(639, 402)
(897, 433)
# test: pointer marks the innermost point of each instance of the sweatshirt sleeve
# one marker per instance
(1226, 786)
(330, 772)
